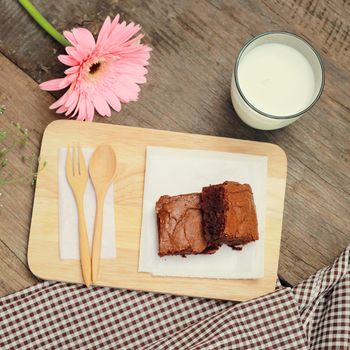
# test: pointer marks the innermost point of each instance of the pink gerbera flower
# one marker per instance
(102, 74)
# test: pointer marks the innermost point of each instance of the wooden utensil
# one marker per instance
(102, 169)
(77, 177)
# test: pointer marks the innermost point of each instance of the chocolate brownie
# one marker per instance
(229, 214)
(180, 225)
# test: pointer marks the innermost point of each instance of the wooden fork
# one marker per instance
(77, 177)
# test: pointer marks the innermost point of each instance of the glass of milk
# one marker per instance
(278, 76)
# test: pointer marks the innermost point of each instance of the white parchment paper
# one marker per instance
(177, 171)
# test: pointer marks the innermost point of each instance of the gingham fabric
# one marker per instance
(313, 315)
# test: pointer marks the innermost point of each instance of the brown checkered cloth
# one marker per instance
(313, 315)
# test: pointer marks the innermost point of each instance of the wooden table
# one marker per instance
(194, 48)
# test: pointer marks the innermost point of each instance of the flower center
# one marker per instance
(94, 67)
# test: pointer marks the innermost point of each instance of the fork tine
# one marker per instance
(75, 161)
(82, 164)
(69, 168)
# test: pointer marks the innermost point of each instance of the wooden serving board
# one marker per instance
(130, 145)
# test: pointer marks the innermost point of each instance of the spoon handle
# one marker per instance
(96, 243)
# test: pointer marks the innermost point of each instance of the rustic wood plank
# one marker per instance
(195, 44)
(14, 273)
(28, 105)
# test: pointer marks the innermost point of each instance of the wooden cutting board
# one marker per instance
(130, 145)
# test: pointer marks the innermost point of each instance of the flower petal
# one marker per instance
(62, 109)
(122, 33)
(54, 84)
(72, 70)
(72, 98)
(125, 94)
(72, 101)
(61, 101)
(72, 77)
(104, 32)
(72, 51)
(56, 104)
(115, 22)
(70, 109)
(90, 110)
(70, 37)
(67, 60)
(101, 105)
(112, 100)
(82, 109)
(86, 41)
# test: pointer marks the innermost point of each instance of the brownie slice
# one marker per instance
(180, 225)
(229, 214)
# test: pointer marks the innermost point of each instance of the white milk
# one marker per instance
(276, 79)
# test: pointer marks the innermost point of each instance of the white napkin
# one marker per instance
(68, 218)
(178, 171)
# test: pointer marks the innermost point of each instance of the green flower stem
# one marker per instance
(43, 22)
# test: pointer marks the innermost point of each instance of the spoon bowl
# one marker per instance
(103, 166)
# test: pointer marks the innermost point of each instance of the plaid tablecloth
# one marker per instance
(313, 315)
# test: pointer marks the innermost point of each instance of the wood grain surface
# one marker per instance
(130, 147)
(26, 104)
(194, 48)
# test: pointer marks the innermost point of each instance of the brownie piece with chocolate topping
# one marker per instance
(229, 214)
(180, 225)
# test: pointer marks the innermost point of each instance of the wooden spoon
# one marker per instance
(102, 170)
